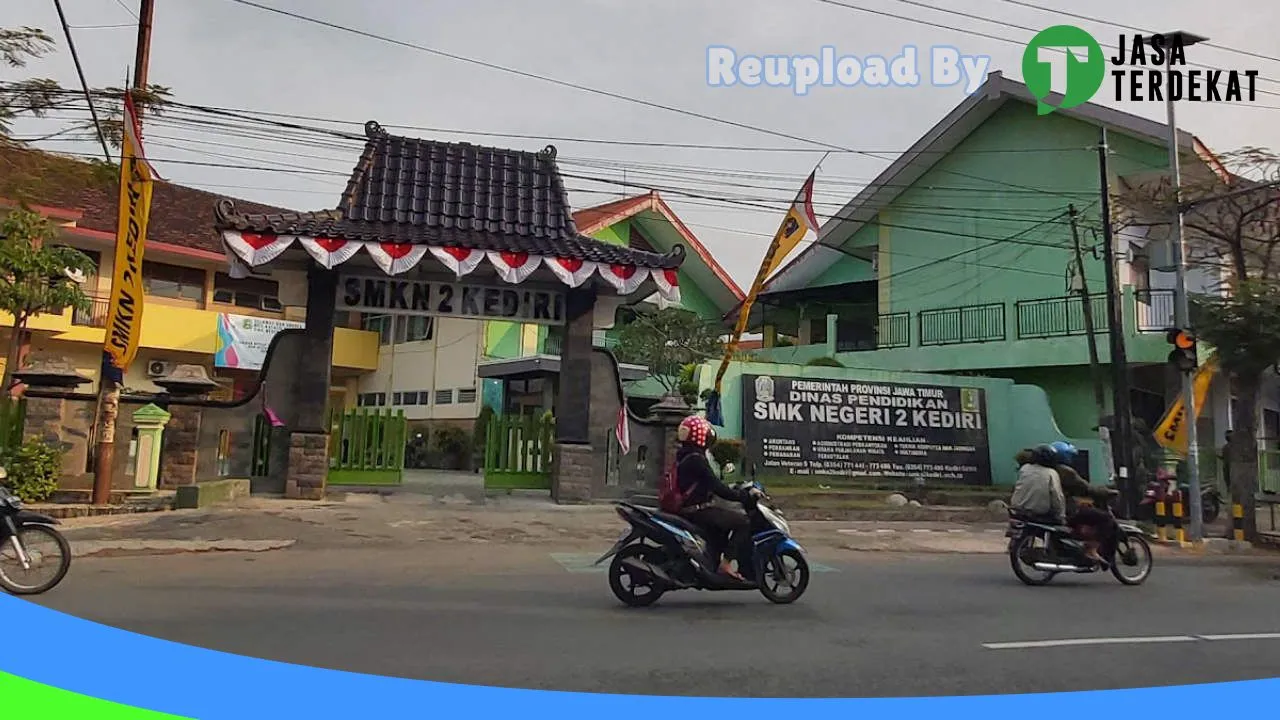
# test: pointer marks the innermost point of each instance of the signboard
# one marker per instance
(802, 426)
(481, 301)
(243, 340)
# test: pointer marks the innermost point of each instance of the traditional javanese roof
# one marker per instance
(460, 202)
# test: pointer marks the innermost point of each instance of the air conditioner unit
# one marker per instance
(156, 368)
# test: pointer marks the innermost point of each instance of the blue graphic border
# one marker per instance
(111, 664)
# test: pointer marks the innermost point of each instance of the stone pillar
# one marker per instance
(572, 471)
(669, 411)
(43, 421)
(150, 421)
(309, 441)
(181, 445)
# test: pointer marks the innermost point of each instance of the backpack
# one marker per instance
(670, 497)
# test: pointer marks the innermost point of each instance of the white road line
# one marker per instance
(1088, 641)
(1242, 636)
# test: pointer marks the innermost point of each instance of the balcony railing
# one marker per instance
(967, 324)
(95, 315)
(1155, 310)
(1059, 316)
(891, 331)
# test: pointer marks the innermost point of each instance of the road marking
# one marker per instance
(1076, 642)
(582, 563)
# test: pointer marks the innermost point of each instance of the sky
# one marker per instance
(224, 54)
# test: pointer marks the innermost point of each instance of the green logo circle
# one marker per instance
(1066, 59)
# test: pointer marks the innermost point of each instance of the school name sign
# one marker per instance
(481, 301)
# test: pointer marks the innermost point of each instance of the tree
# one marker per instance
(667, 340)
(36, 276)
(39, 96)
(1232, 228)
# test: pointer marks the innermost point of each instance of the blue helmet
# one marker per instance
(1064, 452)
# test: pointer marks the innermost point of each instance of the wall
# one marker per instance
(445, 362)
(1018, 416)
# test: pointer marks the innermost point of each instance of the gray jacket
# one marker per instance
(1039, 492)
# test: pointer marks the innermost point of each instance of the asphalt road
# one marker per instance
(874, 624)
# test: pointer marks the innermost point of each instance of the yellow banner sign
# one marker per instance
(1171, 433)
(124, 316)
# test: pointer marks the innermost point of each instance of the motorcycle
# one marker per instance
(21, 546)
(1040, 551)
(660, 552)
(1166, 489)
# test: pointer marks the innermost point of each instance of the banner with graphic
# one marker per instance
(124, 314)
(243, 340)
(801, 426)
(1171, 433)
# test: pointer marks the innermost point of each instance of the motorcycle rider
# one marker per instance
(1095, 528)
(1037, 495)
(699, 485)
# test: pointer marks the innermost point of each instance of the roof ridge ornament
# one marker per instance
(549, 151)
(373, 130)
(224, 209)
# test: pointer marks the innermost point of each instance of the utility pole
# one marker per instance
(108, 389)
(1119, 361)
(1086, 307)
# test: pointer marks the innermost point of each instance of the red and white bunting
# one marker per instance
(462, 261)
(396, 258)
(256, 249)
(235, 266)
(514, 267)
(571, 271)
(329, 252)
(668, 282)
(626, 279)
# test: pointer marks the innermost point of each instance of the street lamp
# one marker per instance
(1181, 308)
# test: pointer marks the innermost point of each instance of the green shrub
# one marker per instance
(728, 450)
(452, 440)
(33, 469)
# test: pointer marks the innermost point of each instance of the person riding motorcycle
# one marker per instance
(1037, 495)
(1053, 497)
(699, 485)
(1095, 527)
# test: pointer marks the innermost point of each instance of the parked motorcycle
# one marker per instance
(1165, 488)
(660, 552)
(30, 547)
(1038, 552)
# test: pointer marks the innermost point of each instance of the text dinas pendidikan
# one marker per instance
(867, 404)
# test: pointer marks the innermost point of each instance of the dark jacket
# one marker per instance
(697, 480)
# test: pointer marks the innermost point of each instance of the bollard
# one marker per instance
(1177, 522)
(1237, 522)
(1161, 520)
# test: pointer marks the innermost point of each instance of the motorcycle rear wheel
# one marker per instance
(59, 564)
(622, 579)
(1031, 577)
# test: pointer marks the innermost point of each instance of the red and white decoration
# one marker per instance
(248, 250)
(462, 261)
(623, 430)
(514, 267)
(257, 249)
(668, 282)
(626, 279)
(571, 271)
(396, 258)
(330, 253)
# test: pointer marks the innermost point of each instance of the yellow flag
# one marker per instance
(798, 222)
(124, 315)
(1171, 433)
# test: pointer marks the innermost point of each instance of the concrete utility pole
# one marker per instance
(109, 391)
(1181, 307)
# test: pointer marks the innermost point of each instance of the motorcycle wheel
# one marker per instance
(1028, 575)
(28, 536)
(623, 580)
(797, 579)
(1209, 509)
(1133, 551)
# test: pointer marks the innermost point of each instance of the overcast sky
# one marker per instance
(223, 54)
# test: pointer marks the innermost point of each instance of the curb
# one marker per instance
(90, 548)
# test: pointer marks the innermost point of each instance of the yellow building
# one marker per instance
(194, 312)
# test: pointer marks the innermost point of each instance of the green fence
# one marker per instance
(366, 447)
(1269, 471)
(518, 452)
(259, 460)
(13, 416)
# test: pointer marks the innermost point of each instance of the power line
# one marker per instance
(75, 57)
(127, 9)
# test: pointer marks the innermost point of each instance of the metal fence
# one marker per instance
(966, 324)
(1155, 310)
(1059, 316)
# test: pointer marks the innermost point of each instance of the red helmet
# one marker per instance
(697, 431)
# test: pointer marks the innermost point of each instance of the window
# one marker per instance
(397, 398)
(371, 399)
(409, 398)
(380, 324)
(172, 281)
(249, 292)
(444, 397)
(414, 328)
(467, 396)
(424, 397)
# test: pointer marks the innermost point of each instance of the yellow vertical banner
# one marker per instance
(1171, 433)
(124, 315)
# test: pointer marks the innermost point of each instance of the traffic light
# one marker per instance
(1183, 355)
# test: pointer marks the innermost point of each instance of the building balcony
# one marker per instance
(1017, 333)
(171, 327)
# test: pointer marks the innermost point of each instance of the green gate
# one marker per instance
(366, 447)
(518, 451)
(261, 449)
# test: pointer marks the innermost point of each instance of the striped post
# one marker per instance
(1237, 521)
(1161, 521)
(1178, 509)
